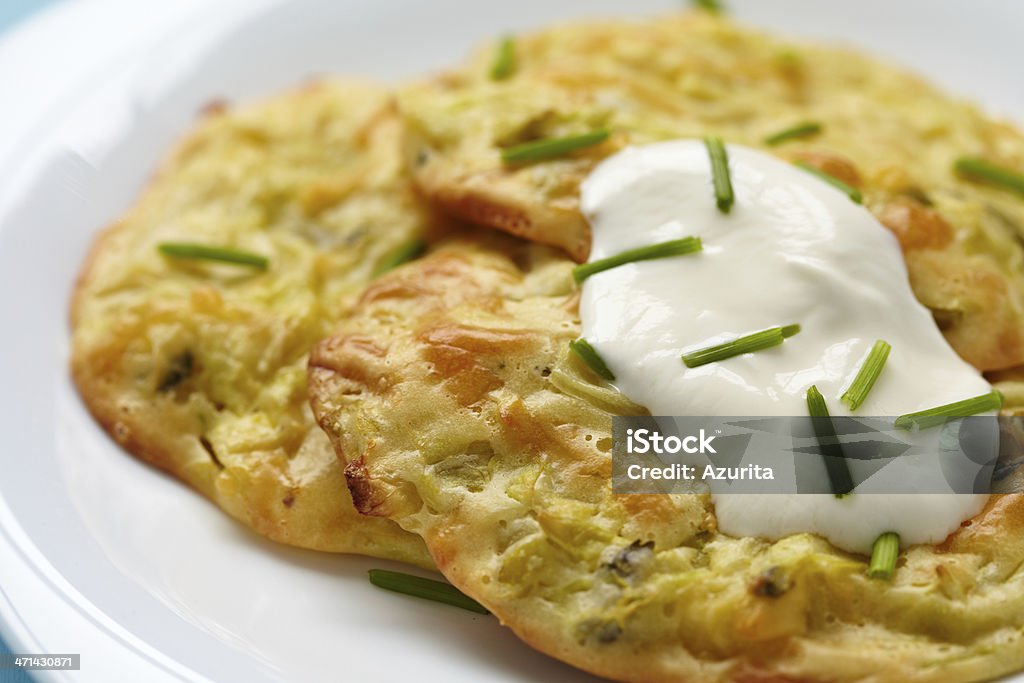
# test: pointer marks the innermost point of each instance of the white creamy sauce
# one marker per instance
(794, 249)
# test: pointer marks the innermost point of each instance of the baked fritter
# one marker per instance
(884, 131)
(451, 397)
(200, 368)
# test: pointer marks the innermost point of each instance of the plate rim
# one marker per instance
(39, 24)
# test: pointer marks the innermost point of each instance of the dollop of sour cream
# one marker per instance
(794, 249)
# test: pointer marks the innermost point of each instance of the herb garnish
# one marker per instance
(800, 130)
(979, 169)
(183, 250)
(405, 253)
(884, 553)
(756, 341)
(592, 358)
(712, 6)
(504, 64)
(429, 589)
(938, 415)
(835, 462)
(550, 148)
(680, 247)
(850, 191)
(867, 375)
(720, 173)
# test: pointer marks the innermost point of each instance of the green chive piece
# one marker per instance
(409, 251)
(850, 191)
(936, 416)
(835, 462)
(183, 250)
(712, 6)
(592, 358)
(504, 64)
(979, 169)
(551, 148)
(867, 375)
(758, 341)
(884, 554)
(429, 589)
(800, 130)
(720, 173)
(680, 247)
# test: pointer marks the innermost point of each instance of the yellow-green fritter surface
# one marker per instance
(200, 367)
(883, 131)
(451, 397)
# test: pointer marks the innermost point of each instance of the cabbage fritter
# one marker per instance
(884, 131)
(451, 397)
(200, 368)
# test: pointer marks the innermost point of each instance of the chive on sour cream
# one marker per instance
(793, 249)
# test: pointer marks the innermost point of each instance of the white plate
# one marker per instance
(105, 557)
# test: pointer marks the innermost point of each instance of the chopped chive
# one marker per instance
(204, 252)
(884, 554)
(720, 173)
(938, 415)
(680, 247)
(979, 169)
(504, 64)
(801, 130)
(835, 462)
(405, 253)
(550, 148)
(592, 358)
(712, 6)
(429, 589)
(867, 375)
(850, 191)
(765, 339)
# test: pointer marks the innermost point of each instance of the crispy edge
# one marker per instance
(494, 198)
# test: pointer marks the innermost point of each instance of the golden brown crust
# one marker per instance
(495, 198)
(972, 304)
(198, 369)
(886, 132)
(462, 417)
(915, 225)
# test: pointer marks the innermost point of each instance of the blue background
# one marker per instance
(11, 13)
